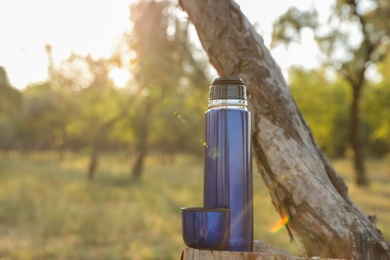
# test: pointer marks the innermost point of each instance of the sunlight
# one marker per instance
(120, 77)
(84, 27)
(93, 27)
(281, 223)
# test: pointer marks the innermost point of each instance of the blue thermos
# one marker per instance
(228, 159)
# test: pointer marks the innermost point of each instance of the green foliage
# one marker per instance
(323, 104)
(376, 112)
(355, 34)
(43, 117)
(10, 98)
(80, 103)
(169, 81)
(10, 106)
(287, 28)
(165, 69)
(353, 39)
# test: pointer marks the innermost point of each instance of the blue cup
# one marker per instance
(206, 228)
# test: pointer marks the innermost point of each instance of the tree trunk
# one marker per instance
(100, 135)
(142, 146)
(61, 144)
(303, 184)
(355, 137)
(136, 172)
(139, 162)
(94, 157)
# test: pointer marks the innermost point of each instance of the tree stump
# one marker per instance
(261, 251)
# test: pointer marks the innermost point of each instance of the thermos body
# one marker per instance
(228, 166)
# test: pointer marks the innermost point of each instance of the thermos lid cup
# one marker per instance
(206, 228)
(227, 88)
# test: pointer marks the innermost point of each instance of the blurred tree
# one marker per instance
(10, 107)
(44, 116)
(84, 88)
(165, 73)
(164, 68)
(355, 38)
(102, 88)
(100, 104)
(377, 111)
(97, 104)
(323, 103)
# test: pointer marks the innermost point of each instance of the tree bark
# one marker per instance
(302, 183)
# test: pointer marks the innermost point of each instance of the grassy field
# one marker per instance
(48, 210)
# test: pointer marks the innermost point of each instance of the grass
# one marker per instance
(48, 210)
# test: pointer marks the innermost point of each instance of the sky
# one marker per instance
(93, 27)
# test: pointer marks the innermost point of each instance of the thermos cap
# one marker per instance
(227, 88)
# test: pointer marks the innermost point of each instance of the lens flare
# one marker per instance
(280, 224)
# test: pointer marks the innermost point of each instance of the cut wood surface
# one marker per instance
(261, 251)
